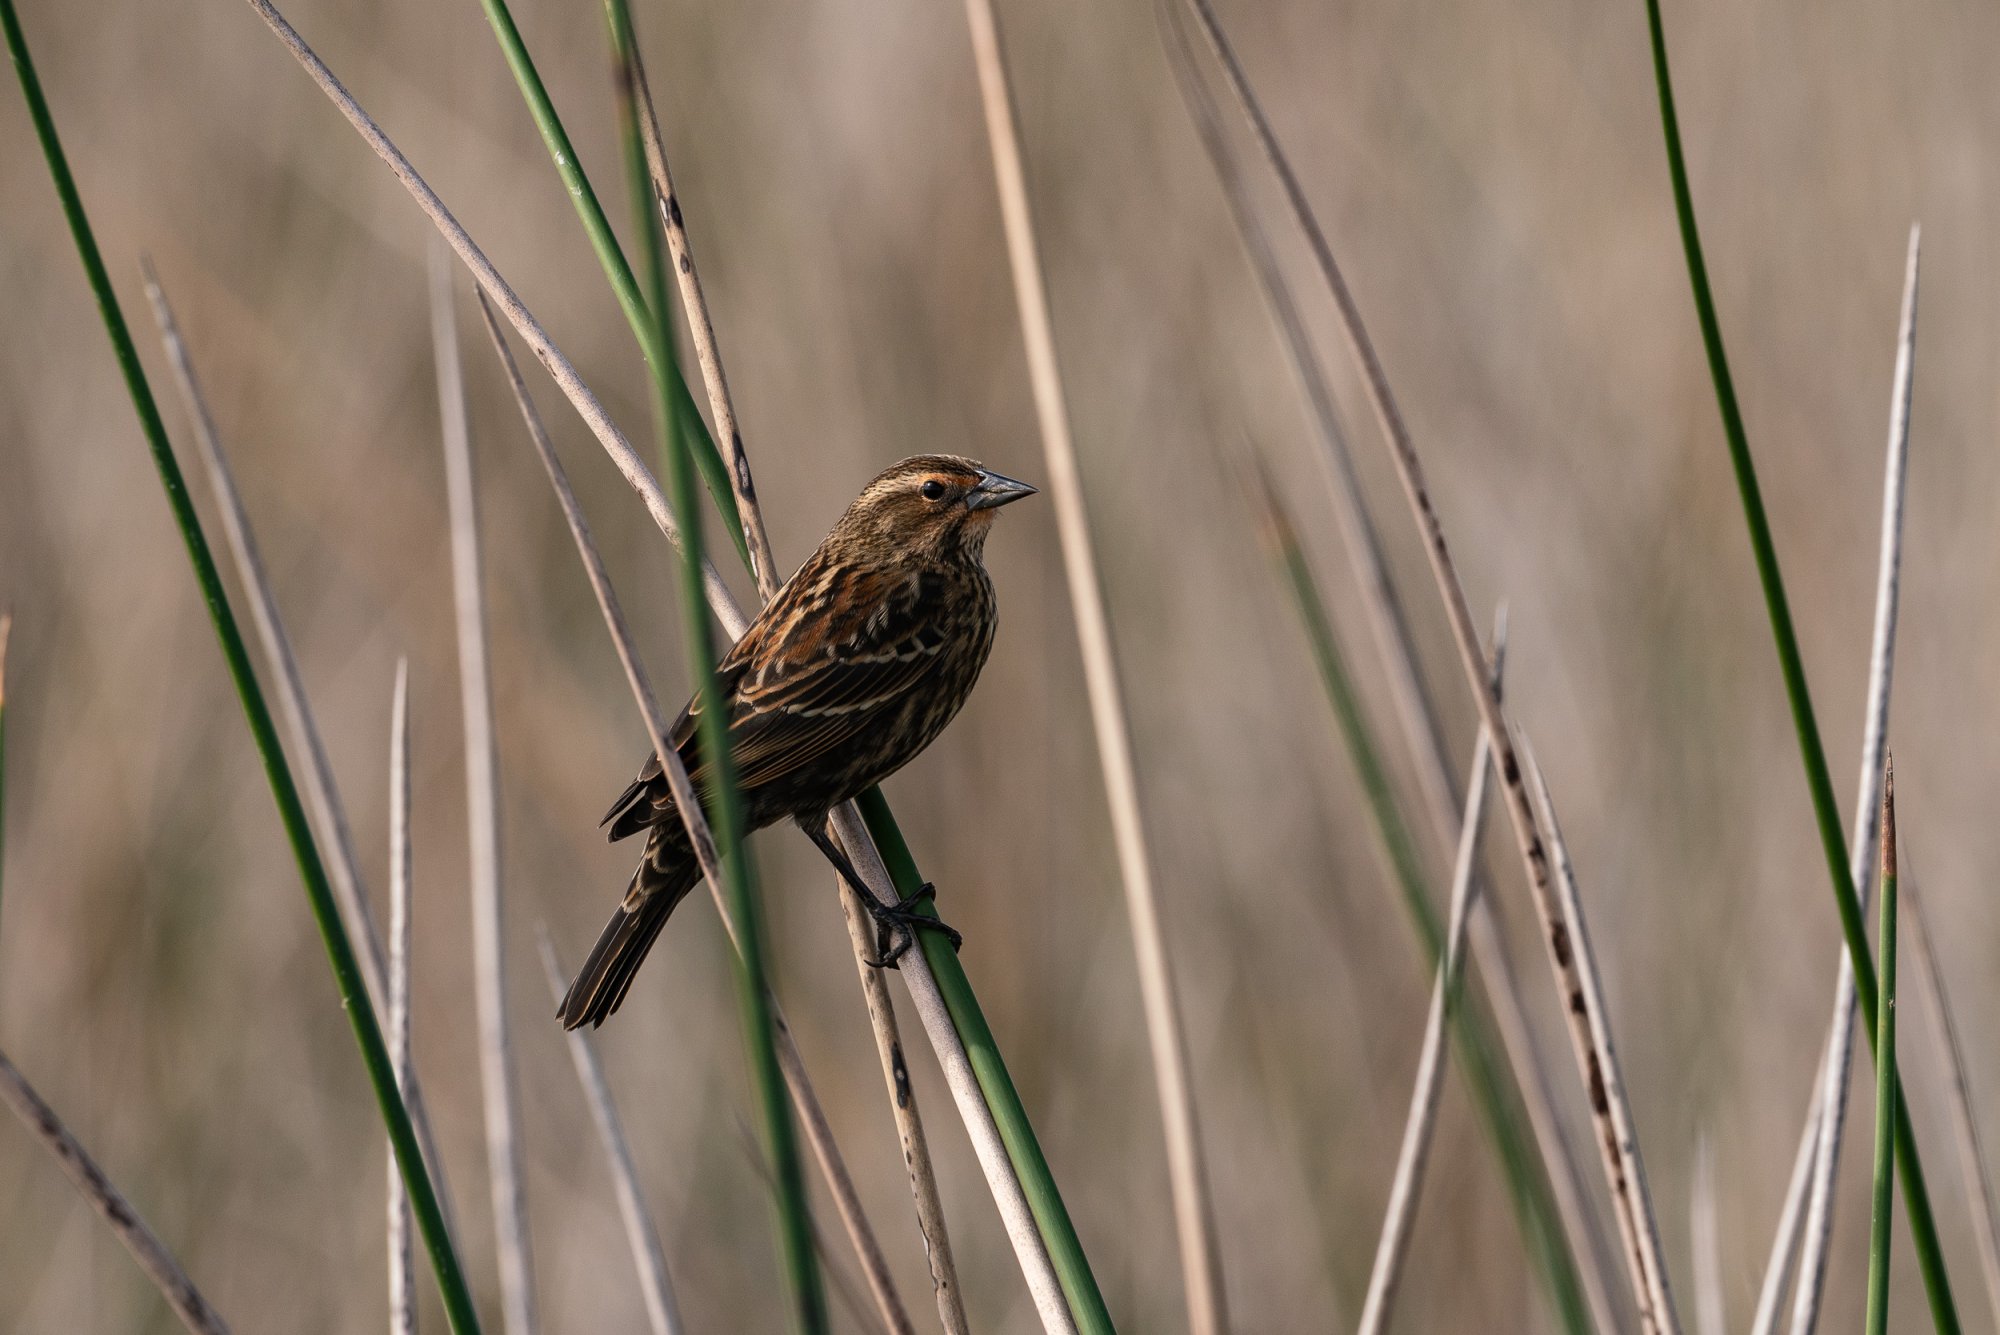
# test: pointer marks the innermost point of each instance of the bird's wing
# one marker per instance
(863, 642)
(806, 678)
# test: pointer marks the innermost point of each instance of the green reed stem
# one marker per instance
(740, 881)
(1826, 811)
(1072, 1267)
(722, 800)
(672, 398)
(354, 1000)
(1888, 1107)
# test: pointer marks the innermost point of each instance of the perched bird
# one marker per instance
(850, 671)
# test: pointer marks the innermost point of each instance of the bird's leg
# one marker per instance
(902, 919)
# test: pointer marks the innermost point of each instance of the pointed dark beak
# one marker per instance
(994, 490)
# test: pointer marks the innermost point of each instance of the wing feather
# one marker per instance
(835, 648)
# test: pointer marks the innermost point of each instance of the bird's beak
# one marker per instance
(994, 490)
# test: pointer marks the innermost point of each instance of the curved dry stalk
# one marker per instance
(1201, 1257)
(701, 330)
(1609, 1107)
(812, 1116)
(1655, 1304)
(1413, 1156)
(1832, 1110)
(648, 1256)
(152, 1255)
(1396, 651)
(402, 1292)
(909, 1123)
(587, 406)
(1951, 1060)
(322, 790)
(482, 797)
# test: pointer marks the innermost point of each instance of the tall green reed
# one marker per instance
(722, 800)
(291, 810)
(354, 999)
(1791, 663)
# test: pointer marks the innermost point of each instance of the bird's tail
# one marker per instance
(665, 875)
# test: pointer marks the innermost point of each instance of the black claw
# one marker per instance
(897, 925)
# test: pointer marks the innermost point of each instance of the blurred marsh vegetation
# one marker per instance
(1494, 181)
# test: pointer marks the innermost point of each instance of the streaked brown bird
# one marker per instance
(852, 670)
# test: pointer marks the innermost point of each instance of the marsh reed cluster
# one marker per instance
(1213, 826)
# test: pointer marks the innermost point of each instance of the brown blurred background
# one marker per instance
(1494, 181)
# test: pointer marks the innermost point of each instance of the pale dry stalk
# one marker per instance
(656, 1287)
(402, 1289)
(1649, 1277)
(1399, 1220)
(320, 789)
(482, 799)
(1831, 1113)
(1194, 1214)
(152, 1255)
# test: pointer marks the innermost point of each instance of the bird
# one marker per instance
(848, 673)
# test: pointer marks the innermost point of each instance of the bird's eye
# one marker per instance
(933, 490)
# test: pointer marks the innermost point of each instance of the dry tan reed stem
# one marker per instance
(1413, 1156)
(482, 801)
(1015, 1215)
(1201, 1257)
(316, 774)
(1776, 1286)
(623, 456)
(140, 1240)
(840, 1183)
(1705, 1241)
(701, 329)
(763, 564)
(402, 1291)
(648, 1256)
(812, 1117)
(321, 790)
(1650, 1280)
(1389, 630)
(1590, 1248)
(1951, 1061)
(1609, 1105)
(903, 1103)
(1832, 1110)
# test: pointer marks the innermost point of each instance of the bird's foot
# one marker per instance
(897, 925)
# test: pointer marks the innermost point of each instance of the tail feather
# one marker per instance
(664, 877)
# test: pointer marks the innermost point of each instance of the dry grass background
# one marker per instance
(1495, 181)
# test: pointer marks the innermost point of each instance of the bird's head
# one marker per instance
(935, 506)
